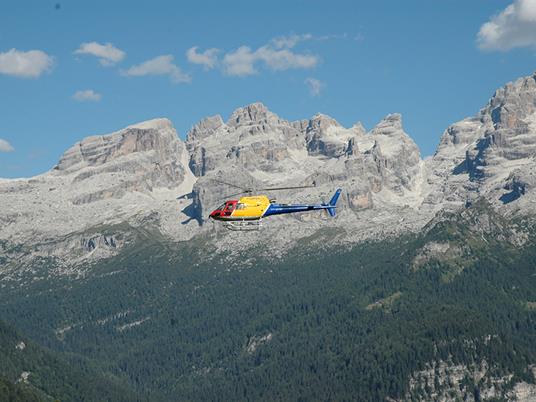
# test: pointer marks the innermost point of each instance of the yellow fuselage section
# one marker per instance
(251, 207)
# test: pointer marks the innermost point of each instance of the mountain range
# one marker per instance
(144, 174)
(421, 288)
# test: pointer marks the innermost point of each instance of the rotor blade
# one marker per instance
(229, 184)
(248, 191)
(232, 195)
(282, 188)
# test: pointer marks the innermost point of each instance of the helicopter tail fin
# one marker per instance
(333, 202)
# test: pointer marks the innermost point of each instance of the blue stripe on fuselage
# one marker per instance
(277, 209)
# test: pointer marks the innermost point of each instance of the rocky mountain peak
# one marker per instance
(155, 136)
(204, 128)
(458, 135)
(253, 137)
(254, 113)
(394, 152)
(390, 124)
(155, 124)
(321, 136)
(130, 177)
(359, 129)
(140, 157)
(492, 152)
(513, 102)
(321, 123)
(395, 142)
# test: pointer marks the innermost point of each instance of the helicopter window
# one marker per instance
(230, 206)
(240, 206)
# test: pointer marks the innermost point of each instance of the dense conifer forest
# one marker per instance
(159, 323)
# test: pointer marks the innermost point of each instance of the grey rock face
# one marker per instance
(320, 139)
(253, 137)
(263, 149)
(151, 149)
(401, 155)
(254, 114)
(205, 128)
(144, 173)
(510, 113)
(479, 155)
(446, 381)
(516, 186)
(106, 180)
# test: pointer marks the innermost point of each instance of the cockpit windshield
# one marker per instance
(230, 206)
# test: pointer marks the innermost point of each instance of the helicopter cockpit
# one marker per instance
(229, 207)
(225, 209)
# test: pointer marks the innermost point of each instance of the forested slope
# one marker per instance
(322, 323)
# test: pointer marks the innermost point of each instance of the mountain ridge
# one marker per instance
(145, 173)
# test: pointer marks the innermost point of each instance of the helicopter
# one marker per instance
(247, 212)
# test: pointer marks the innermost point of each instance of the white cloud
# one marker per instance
(333, 37)
(5, 146)
(161, 65)
(514, 27)
(527, 10)
(21, 64)
(242, 61)
(207, 59)
(315, 86)
(276, 55)
(285, 59)
(87, 95)
(290, 41)
(108, 54)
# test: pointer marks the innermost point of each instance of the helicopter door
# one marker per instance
(229, 208)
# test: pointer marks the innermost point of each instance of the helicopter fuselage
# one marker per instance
(258, 207)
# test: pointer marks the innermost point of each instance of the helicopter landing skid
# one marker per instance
(243, 226)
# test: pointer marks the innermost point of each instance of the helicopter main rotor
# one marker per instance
(246, 190)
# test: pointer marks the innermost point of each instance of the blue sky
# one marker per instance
(69, 69)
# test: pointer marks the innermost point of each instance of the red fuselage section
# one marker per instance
(223, 212)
